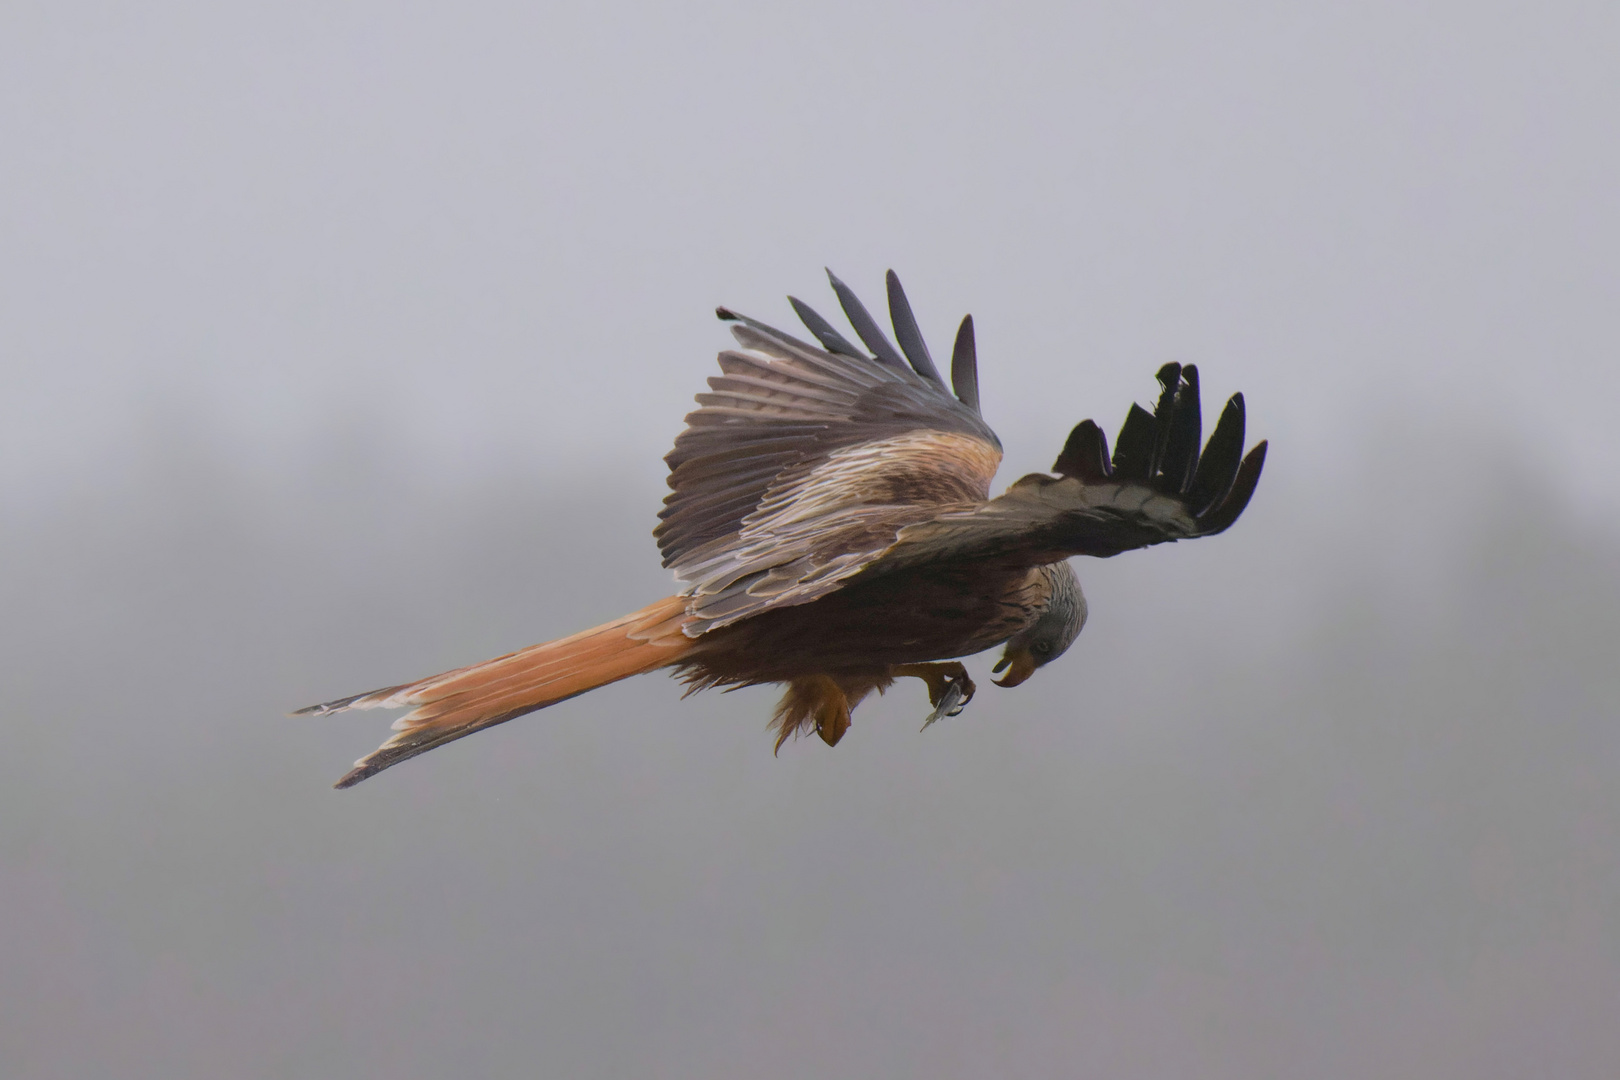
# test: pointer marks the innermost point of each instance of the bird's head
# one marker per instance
(1052, 632)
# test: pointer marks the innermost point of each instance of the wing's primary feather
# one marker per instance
(1085, 455)
(1182, 433)
(1133, 449)
(865, 326)
(965, 366)
(830, 339)
(1221, 517)
(1218, 466)
(1169, 377)
(906, 332)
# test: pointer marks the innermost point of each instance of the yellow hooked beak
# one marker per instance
(1022, 663)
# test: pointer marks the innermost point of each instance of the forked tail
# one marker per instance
(470, 699)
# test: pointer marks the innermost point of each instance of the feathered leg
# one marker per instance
(822, 703)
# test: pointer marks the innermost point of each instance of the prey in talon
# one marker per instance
(949, 687)
(831, 529)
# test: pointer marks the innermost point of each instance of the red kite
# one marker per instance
(831, 524)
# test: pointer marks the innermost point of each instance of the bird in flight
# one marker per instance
(831, 526)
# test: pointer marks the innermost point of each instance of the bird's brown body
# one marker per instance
(866, 635)
(831, 521)
(868, 627)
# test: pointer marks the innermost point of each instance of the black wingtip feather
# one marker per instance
(866, 327)
(1218, 465)
(1161, 449)
(965, 366)
(1184, 430)
(1133, 452)
(1237, 499)
(906, 331)
(1169, 377)
(830, 339)
(1085, 455)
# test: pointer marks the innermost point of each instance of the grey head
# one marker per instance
(1053, 630)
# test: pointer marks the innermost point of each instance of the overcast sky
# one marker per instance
(340, 344)
(502, 227)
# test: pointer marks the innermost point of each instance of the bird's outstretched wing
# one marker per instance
(1157, 487)
(803, 464)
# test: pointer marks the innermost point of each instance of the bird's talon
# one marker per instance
(950, 703)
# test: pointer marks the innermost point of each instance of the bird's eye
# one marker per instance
(1041, 648)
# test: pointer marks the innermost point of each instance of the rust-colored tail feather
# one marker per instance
(470, 699)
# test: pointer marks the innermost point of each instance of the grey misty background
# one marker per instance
(340, 345)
